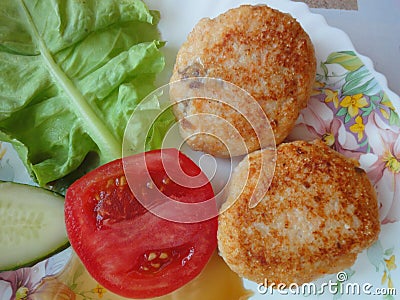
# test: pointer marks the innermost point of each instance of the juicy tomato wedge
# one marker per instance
(127, 248)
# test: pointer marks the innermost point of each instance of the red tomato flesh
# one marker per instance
(125, 247)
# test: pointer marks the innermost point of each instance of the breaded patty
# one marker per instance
(318, 214)
(220, 128)
(260, 49)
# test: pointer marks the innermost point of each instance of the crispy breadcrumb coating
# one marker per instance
(320, 211)
(260, 49)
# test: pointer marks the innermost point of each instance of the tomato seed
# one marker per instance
(122, 180)
(151, 256)
(110, 183)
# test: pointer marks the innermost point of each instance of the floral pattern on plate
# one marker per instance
(350, 112)
(35, 283)
(383, 260)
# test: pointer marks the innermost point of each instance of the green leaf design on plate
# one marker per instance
(375, 255)
(367, 110)
(394, 118)
(360, 81)
(347, 118)
(325, 69)
(347, 59)
(389, 252)
(342, 111)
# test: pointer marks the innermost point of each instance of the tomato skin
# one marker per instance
(125, 247)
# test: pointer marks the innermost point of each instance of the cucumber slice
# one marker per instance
(31, 225)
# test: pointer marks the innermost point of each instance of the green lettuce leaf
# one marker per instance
(71, 74)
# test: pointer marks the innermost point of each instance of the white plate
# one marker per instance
(375, 270)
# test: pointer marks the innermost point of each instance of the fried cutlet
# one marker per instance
(263, 51)
(318, 214)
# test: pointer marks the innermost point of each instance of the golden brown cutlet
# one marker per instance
(320, 211)
(260, 49)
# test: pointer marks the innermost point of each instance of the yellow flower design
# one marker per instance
(99, 290)
(317, 88)
(384, 113)
(358, 128)
(353, 103)
(387, 102)
(392, 163)
(329, 139)
(331, 96)
(390, 283)
(384, 278)
(391, 263)
(22, 293)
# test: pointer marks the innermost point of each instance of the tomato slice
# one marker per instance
(127, 248)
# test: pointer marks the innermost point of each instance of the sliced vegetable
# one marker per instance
(71, 74)
(31, 225)
(125, 247)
